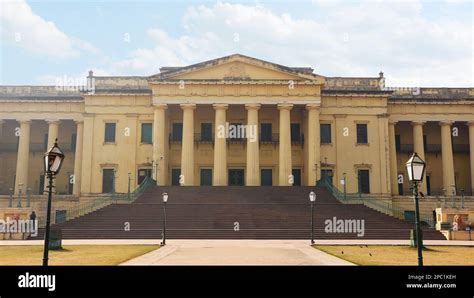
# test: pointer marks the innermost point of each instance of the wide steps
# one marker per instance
(213, 212)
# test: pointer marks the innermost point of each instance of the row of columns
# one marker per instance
(220, 148)
(22, 164)
(446, 154)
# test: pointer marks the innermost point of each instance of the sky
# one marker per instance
(415, 43)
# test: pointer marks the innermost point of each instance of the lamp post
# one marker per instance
(53, 159)
(312, 199)
(416, 168)
(165, 199)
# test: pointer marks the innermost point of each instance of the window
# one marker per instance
(177, 133)
(295, 132)
(206, 132)
(266, 177)
(147, 133)
(325, 133)
(206, 177)
(364, 182)
(266, 132)
(109, 133)
(362, 134)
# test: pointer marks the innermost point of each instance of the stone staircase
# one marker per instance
(233, 212)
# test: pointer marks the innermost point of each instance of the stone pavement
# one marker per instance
(237, 252)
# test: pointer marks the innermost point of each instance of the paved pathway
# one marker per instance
(237, 252)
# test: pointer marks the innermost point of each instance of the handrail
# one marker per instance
(98, 203)
(371, 202)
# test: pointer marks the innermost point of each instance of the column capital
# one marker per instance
(2, 121)
(79, 122)
(392, 122)
(23, 121)
(188, 106)
(160, 106)
(52, 121)
(285, 106)
(446, 122)
(220, 106)
(313, 106)
(418, 122)
(469, 123)
(252, 106)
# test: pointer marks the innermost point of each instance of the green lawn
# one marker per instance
(401, 255)
(73, 254)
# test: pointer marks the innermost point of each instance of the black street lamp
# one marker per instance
(312, 199)
(416, 169)
(53, 159)
(165, 199)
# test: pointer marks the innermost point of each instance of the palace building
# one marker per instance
(300, 127)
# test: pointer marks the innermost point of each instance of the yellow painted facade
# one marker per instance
(437, 122)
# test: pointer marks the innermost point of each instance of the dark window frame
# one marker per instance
(325, 138)
(144, 134)
(362, 134)
(110, 135)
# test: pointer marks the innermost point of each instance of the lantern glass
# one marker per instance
(53, 159)
(312, 196)
(415, 168)
(165, 197)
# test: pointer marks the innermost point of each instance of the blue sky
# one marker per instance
(415, 43)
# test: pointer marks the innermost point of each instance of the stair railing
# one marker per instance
(95, 204)
(372, 202)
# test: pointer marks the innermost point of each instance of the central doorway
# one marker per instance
(236, 177)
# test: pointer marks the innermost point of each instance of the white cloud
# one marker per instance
(20, 26)
(355, 39)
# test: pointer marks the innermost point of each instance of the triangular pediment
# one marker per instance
(237, 67)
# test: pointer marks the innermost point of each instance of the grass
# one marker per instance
(401, 255)
(73, 254)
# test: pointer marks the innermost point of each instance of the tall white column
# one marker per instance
(187, 151)
(219, 176)
(78, 158)
(285, 164)
(160, 141)
(253, 153)
(22, 162)
(393, 158)
(314, 146)
(419, 148)
(447, 158)
(471, 153)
